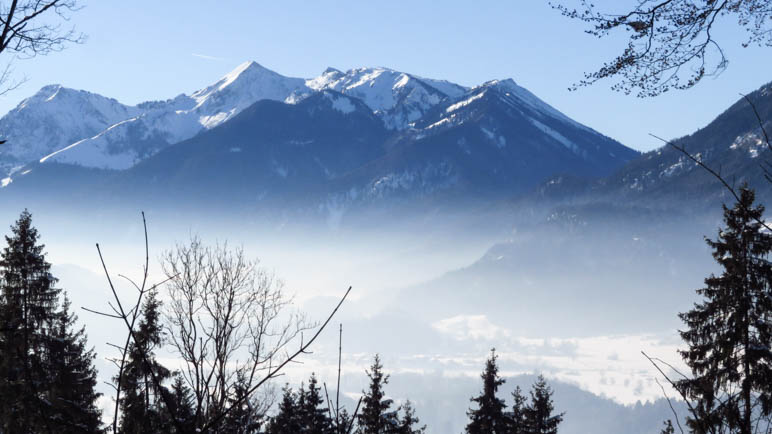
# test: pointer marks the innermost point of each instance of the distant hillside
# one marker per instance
(733, 144)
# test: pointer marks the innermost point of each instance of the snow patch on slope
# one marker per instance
(465, 102)
(555, 135)
(340, 103)
(752, 142)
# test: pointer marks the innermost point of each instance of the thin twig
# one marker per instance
(675, 415)
(337, 391)
(683, 395)
(354, 416)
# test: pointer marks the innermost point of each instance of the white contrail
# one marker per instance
(204, 56)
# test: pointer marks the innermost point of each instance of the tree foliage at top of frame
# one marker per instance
(671, 43)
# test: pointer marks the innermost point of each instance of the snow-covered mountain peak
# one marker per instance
(43, 95)
(251, 65)
(63, 125)
(374, 86)
(46, 93)
(328, 77)
(58, 95)
(53, 118)
(251, 82)
(514, 94)
(161, 123)
(397, 97)
(250, 68)
(506, 84)
(330, 70)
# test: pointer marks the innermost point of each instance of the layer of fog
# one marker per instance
(577, 302)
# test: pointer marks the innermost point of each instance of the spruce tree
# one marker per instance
(517, 419)
(142, 409)
(27, 313)
(287, 420)
(243, 417)
(183, 407)
(72, 377)
(538, 414)
(314, 417)
(729, 333)
(488, 417)
(408, 423)
(344, 422)
(376, 416)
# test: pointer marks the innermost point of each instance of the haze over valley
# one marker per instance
(479, 227)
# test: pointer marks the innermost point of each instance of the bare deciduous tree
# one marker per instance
(228, 319)
(671, 43)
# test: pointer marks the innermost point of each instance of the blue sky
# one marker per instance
(144, 50)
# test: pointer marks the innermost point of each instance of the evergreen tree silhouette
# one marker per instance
(517, 419)
(244, 418)
(408, 423)
(538, 414)
(729, 333)
(489, 417)
(72, 377)
(183, 407)
(287, 420)
(376, 416)
(314, 416)
(32, 333)
(142, 409)
(344, 422)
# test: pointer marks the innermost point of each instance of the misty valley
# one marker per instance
(374, 251)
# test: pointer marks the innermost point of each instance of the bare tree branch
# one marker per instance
(273, 372)
(33, 27)
(670, 42)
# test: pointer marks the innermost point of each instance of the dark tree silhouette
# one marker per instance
(287, 419)
(247, 415)
(538, 414)
(314, 415)
(72, 381)
(729, 333)
(376, 416)
(671, 43)
(409, 422)
(47, 376)
(489, 417)
(182, 399)
(517, 419)
(29, 299)
(141, 406)
(668, 428)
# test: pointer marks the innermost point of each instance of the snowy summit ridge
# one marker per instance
(78, 128)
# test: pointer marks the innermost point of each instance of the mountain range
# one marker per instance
(342, 140)
(367, 138)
